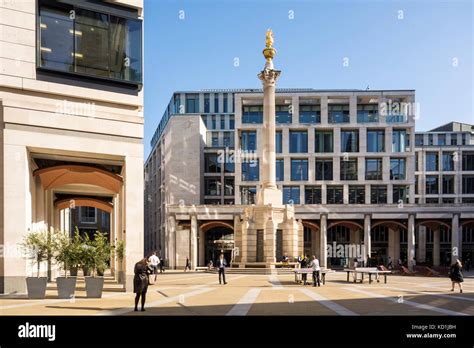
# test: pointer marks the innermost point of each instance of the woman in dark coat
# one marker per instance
(140, 282)
(455, 273)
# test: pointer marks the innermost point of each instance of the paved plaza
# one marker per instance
(193, 293)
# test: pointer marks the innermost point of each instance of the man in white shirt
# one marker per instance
(154, 262)
(314, 264)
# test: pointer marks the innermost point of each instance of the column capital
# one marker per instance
(269, 76)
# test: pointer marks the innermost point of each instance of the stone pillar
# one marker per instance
(391, 245)
(421, 255)
(193, 242)
(411, 241)
(202, 251)
(436, 247)
(323, 242)
(367, 239)
(455, 245)
(171, 242)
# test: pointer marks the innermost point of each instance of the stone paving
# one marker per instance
(195, 293)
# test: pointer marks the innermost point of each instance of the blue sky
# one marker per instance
(426, 45)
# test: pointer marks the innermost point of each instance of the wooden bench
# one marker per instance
(300, 271)
(366, 270)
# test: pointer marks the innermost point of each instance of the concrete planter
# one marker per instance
(66, 286)
(36, 287)
(94, 287)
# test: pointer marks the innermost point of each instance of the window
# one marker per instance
(338, 113)
(379, 234)
(367, 113)
(356, 194)
(323, 169)
(400, 194)
(454, 139)
(399, 140)
(378, 194)
(229, 166)
(375, 140)
(248, 141)
(250, 170)
(282, 114)
(216, 102)
(468, 161)
(228, 139)
(373, 169)
(348, 169)
(418, 139)
(177, 104)
(222, 122)
(448, 184)
(225, 103)
(229, 186)
(448, 161)
(291, 195)
(207, 104)
(397, 169)
(349, 141)
(88, 215)
(323, 141)
(252, 114)
(212, 186)
(280, 170)
(431, 161)
(431, 200)
(91, 43)
(298, 142)
(213, 119)
(441, 139)
(335, 195)
(248, 194)
(192, 103)
(215, 139)
(468, 184)
(312, 195)
(278, 142)
(212, 164)
(431, 184)
(299, 169)
(310, 114)
(231, 122)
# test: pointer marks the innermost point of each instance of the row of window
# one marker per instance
(324, 141)
(442, 140)
(311, 114)
(213, 122)
(334, 194)
(324, 169)
(448, 160)
(432, 184)
(191, 103)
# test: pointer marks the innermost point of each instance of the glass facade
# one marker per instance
(312, 195)
(310, 114)
(291, 195)
(299, 169)
(248, 141)
(90, 43)
(373, 169)
(335, 195)
(323, 169)
(431, 162)
(280, 170)
(367, 113)
(350, 141)
(397, 169)
(399, 140)
(298, 142)
(375, 140)
(282, 114)
(431, 184)
(278, 142)
(356, 194)
(248, 194)
(348, 169)
(448, 184)
(378, 194)
(448, 161)
(323, 141)
(252, 114)
(250, 170)
(338, 113)
(400, 194)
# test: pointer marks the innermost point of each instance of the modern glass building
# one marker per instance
(71, 109)
(348, 160)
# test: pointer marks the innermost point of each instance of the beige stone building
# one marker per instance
(347, 160)
(71, 109)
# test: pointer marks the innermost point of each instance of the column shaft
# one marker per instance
(411, 241)
(323, 240)
(367, 239)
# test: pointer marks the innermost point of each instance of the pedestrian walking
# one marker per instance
(314, 264)
(455, 273)
(162, 265)
(140, 282)
(154, 262)
(221, 265)
(188, 265)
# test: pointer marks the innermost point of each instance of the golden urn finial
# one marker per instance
(269, 52)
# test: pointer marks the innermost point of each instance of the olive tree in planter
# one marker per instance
(76, 250)
(120, 253)
(100, 252)
(65, 255)
(39, 248)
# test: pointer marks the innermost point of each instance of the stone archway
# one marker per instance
(214, 237)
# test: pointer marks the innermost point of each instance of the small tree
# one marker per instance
(39, 247)
(120, 250)
(98, 252)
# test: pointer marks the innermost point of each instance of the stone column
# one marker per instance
(421, 255)
(436, 247)
(193, 242)
(411, 241)
(323, 242)
(455, 245)
(171, 242)
(367, 239)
